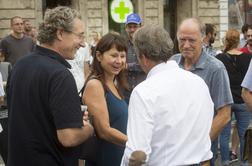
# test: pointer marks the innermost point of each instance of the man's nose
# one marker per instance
(187, 44)
(132, 29)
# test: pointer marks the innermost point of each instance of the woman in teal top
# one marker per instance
(104, 100)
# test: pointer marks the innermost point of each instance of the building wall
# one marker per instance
(27, 9)
(223, 19)
(209, 12)
(151, 11)
(95, 13)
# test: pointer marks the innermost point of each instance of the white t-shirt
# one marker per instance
(170, 117)
(82, 55)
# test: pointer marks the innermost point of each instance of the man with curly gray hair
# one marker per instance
(163, 121)
(45, 118)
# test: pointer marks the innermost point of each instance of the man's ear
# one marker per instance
(59, 34)
(144, 60)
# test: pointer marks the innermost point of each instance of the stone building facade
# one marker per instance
(95, 13)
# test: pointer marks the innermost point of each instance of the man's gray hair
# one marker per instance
(202, 27)
(154, 42)
(57, 18)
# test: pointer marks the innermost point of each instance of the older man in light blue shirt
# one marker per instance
(193, 58)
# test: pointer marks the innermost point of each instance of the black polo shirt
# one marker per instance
(42, 97)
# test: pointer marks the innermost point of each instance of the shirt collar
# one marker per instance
(206, 45)
(170, 64)
(201, 63)
(52, 54)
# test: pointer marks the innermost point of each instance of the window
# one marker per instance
(236, 13)
(248, 10)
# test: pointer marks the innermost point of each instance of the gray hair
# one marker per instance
(154, 42)
(61, 17)
(202, 27)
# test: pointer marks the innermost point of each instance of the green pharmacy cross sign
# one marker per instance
(120, 9)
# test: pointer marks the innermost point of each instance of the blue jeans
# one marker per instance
(242, 116)
(214, 149)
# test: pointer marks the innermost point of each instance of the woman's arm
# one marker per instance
(94, 98)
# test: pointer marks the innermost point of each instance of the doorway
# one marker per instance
(49, 4)
(170, 19)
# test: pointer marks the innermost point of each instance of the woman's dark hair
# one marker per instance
(107, 42)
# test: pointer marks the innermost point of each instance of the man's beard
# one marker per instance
(249, 42)
(211, 41)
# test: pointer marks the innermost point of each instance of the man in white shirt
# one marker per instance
(80, 65)
(170, 113)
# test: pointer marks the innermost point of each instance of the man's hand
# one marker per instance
(137, 158)
(85, 118)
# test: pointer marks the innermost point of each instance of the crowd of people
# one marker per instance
(145, 104)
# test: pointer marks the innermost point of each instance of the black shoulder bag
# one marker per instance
(247, 151)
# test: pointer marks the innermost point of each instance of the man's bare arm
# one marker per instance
(220, 120)
(247, 97)
(71, 137)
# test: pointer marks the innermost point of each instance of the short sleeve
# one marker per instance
(220, 91)
(4, 47)
(247, 81)
(65, 102)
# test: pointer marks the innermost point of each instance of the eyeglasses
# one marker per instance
(183, 40)
(81, 36)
